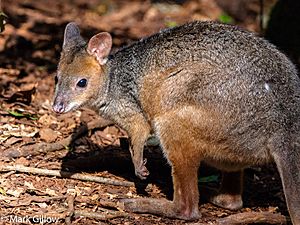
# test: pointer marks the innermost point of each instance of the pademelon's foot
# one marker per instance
(141, 170)
(159, 207)
(227, 201)
(224, 200)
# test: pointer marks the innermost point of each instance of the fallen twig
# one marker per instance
(70, 212)
(82, 213)
(100, 216)
(8, 174)
(252, 217)
(29, 200)
(65, 174)
(44, 147)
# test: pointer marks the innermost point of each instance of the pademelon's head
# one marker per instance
(81, 70)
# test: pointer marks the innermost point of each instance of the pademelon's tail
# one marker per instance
(287, 158)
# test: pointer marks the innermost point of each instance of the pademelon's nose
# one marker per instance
(58, 107)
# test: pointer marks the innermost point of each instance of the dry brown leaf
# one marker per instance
(20, 130)
(16, 192)
(48, 134)
(42, 205)
(11, 141)
(23, 96)
(50, 192)
(47, 120)
(22, 161)
(29, 185)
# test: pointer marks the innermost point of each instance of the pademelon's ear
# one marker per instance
(100, 46)
(72, 36)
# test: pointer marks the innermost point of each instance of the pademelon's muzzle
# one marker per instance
(63, 104)
(58, 106)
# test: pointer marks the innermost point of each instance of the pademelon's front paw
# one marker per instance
(141, 170)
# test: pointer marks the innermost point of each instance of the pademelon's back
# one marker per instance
(220, 45)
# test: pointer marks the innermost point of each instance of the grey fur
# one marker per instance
(239, 67)
(72, 36)
(222, 69)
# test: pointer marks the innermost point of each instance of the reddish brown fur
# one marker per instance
(185, 149)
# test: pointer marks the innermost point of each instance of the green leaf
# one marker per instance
(32, 117)
(212, 178)
(16, 114)
(2, 191)
(225, 18)
(19, 114)
(170, 24)
(69, 148)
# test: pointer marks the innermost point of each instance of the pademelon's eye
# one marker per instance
(82, 83)
(55, 80)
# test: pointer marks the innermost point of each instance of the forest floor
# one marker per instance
(32, 135)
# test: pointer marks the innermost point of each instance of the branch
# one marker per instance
(100, 216)
(106, 215)
(29, 200)
(252, 217)
(70, 211)
(65, 174)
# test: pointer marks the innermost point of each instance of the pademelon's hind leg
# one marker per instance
(185, 200)
(287, 158)
(181, 155)
(182, 151)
